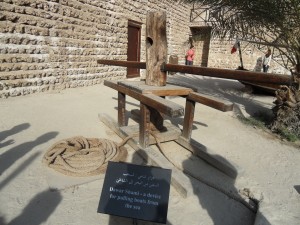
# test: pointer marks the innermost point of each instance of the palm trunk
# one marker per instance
(287, 106)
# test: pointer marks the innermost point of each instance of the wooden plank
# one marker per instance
(156, 47)
(210, 101)
(210, 157)
(168, 90)
(162, 105)
(132, 64)
(179, 181)
(188, 119)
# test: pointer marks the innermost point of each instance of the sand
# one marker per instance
(31, 193)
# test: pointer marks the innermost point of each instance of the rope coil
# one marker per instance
(80, 156)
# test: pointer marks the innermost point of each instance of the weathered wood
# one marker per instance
(210, 101)
(168, 90)
(144, 126)
(230, 74)
(188, 119)
(179, 181)
(162, 105)
(210, 157)
(156, 48)
(171, 134)
(132, 64)
(121, 109)
(156, 118)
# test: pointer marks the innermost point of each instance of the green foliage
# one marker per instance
(262, 121)
(286, 134)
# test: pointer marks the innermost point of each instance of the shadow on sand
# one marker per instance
(12, 155)
(7, 133)
(38, 209)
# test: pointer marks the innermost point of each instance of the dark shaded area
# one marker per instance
(12, 155)
(19, 169)
(38, 209)
(210, 185)
(16, 129)
(297, 187)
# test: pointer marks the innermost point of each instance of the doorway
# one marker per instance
(201, 37)
(133, 47)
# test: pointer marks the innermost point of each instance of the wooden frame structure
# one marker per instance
(154, 106)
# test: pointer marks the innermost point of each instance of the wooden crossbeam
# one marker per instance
(210, 72)
(229, 74)
(210, 101)
(133, 64)
(160, 104)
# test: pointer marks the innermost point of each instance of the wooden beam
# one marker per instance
(230, 74)
(133, 64)
(162, 105)
(210, 101)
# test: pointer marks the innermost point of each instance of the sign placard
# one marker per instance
(134, 191)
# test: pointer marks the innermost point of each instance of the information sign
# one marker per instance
(134, 191)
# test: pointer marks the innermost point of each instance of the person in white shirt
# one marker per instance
(266, 61)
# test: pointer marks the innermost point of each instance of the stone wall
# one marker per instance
(54, 44)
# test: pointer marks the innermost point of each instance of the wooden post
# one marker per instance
(121, 109)
(144, 126)
(188, 119)
(156, 48)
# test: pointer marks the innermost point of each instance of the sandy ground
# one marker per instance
(32, 194)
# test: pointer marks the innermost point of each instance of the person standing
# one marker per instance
(266, 61)
(190, 54)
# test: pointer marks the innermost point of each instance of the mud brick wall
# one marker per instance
(220, 56)
(54, 44)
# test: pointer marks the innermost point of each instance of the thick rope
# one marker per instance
(79, 156)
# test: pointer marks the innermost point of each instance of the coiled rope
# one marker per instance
(80, 156)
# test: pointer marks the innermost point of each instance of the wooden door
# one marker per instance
(133, 47)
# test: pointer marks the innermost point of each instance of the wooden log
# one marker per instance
(133, 64)
(230, 74)
(210, 101)
(156, 48)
